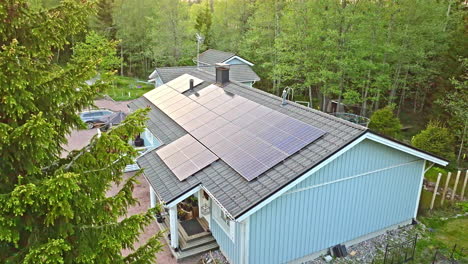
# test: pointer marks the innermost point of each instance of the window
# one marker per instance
(228, 226)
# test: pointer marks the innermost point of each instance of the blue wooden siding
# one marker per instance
(230, 248)
(236, 61)
(248, 83)
(306, 220)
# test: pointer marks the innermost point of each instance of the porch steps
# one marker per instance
(197, 250)
(186, 245)
(190, 247)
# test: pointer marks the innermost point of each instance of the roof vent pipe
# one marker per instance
(191, 84)
(284, 96)
(222, 74)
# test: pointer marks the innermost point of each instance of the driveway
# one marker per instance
(80, 138)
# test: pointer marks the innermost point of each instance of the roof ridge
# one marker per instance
(302, 107)
(310, 109)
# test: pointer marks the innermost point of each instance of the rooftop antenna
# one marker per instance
(285, 95)
(200, 40)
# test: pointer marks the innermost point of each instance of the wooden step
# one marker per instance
(197, 250)
(185, 245)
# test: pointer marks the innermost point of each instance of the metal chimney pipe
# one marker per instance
(222, 74)
(191, 84)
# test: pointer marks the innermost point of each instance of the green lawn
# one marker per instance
(445, 232)
(126, 88)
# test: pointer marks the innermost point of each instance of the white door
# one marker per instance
(204, 205)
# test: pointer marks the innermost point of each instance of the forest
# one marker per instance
(409, 55)
(400, 63)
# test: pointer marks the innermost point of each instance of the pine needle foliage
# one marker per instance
(384, 121)
(52, 209)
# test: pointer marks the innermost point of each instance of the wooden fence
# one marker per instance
(449, 192)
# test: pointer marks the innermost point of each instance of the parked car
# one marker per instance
(94, 116)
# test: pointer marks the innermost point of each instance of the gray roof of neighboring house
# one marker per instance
(212, 56)
(231, 190)
(237, 72)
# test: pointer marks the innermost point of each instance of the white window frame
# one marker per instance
(226, 224)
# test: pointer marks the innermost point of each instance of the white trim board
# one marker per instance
(366, 135)
(184, 196)
(420, 190)
(239, 58)
(351, 177)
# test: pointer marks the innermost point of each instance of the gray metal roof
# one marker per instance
(236, 194)
(237, 72)
(212, 56)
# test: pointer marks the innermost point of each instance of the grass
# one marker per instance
(126, 88)
(445, 232)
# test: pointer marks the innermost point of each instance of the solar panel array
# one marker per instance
(249, 137)
(182, 83)
(185, 156)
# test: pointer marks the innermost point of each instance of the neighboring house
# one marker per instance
(240, 71)
(333, 182)
(211, 57)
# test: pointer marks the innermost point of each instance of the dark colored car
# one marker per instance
(94, 116)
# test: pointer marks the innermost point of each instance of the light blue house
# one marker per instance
(241, 69)
(348, 185)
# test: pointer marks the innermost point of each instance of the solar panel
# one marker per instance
(182, 83)
(249, 137)
(186, 156)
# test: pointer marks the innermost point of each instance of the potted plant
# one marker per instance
(195, 209)
(181, 214)
(159, 218)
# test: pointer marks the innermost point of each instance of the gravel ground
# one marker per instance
(366, 251)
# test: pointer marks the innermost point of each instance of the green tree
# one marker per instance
(203, 21)
(384, 121)
(104, 20)
(435, 139)
(52, 209)
(172, 36)
(456, 104)
(133, 31)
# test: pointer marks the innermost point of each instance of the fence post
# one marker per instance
(385, 256)
(435, 256)
(456, 185)
(464, 186)
(414, 246)
(453, 251)
(445, 188)
(435, 191)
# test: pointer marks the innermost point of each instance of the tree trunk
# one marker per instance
(402, 98)
(364, 96)
(423, 100)
(121, 60)
(448, 14)
(461, 145)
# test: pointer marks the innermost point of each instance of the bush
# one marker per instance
(435, 139)
(385, 122)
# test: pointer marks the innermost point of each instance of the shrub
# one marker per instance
(435, 139)
(385, 122)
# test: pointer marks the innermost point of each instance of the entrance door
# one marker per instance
(204, 204)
